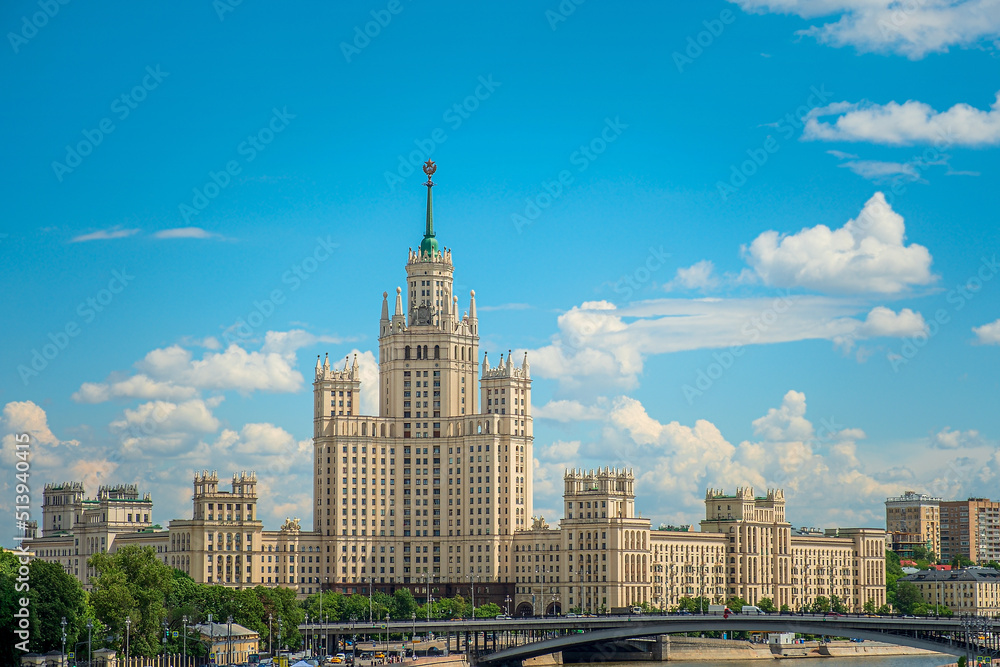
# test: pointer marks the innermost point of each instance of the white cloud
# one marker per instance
(787, 422)
(882, 321)
(947, 438)
(185, 233)
(878, 172)
(104, 235)
(698, 276)
(567, 411)
(136, 386)
(26, 417)
(988, 334)
(867, 254)
(885, 26)
(233, 368)
(911, 122)
(159, 428)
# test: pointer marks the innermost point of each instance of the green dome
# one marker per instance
(429, 245)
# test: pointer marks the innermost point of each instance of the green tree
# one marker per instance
(132, 583)
(922, 553)
(993, 564)
(488, 610)
(907, 597)
(961, 561)
(785, 607)
(736, 603)
(54, 595)
(837, 605)
(821, 605)
(280, 602)
(766, 604)
(869, 607)
(403, 604)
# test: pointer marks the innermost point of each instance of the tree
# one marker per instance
(961, 561)
(488, 610)
(736, 603)
(993, 564)
(837, 605)
(821, 605)
(403, 604)
(922, 553)
(907, 597)
(869, 607)
(132, 583)
(54, 595)
(766, 604)
(785, 607)
(280, 602)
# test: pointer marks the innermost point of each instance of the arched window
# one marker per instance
(437, 352)
(463, 354)
(406, 352)
(419, 350)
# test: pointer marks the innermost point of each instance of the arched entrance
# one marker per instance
(524, 610)
(554, 609)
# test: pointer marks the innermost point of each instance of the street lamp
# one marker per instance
(506, 605)
(90, 628)
(413, 634)
(184, 619)
(472, 583)
(128, 636)
(279, 636)
(63, 659)
(270, 635)
(387, 633)
(430, 578)
(229, 639)
(371, 581)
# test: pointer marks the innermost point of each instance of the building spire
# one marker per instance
(429, 246)
(399, 301)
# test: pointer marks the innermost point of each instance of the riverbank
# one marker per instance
(697, 649)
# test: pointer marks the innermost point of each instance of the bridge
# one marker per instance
(507, 642)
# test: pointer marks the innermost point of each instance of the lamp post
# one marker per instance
(371, 582)
(506, 605)
(472, 584)
(62, 660)
(270, 635)
(128, 636)
(229, 640)
(430, 578)
(387, 633)
(90, 629)
(413, 634)
(184, 620)
(279, 636)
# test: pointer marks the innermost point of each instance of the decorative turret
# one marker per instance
(399, 301)
(429, 246)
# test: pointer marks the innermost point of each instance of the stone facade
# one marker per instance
(913, 519)
(434, 493)
(973, 590)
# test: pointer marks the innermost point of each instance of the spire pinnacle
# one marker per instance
(429, 246)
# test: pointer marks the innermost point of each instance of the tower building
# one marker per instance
(432, 487)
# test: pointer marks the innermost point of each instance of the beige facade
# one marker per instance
(229, 643)
(970, 528)
(970, 591)
(434, 493)
(913, 519)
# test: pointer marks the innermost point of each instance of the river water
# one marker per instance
(875, 661)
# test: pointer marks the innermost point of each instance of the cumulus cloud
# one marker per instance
(137, 386)
(698, 276)
(104, 235)
(882, 321)
(988, 334)
(26, 417)
(164, 428)
(567, 411)
(886, 26)
(867, 254)
(908, 123)
(947, 438)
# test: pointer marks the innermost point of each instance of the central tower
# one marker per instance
(432, 488)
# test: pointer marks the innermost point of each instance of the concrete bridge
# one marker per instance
(507, 642)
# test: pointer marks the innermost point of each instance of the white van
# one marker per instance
(752, 610)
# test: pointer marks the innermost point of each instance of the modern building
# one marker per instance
(973, 590)
(434, 493)
(913, 519)
(970, 528)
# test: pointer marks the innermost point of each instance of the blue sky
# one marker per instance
(742, 242)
